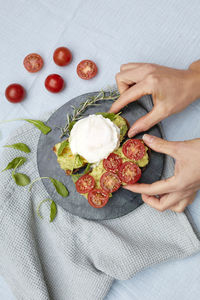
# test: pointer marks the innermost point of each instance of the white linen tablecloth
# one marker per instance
(110, 33)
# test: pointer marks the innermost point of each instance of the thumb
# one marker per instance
(195, 66)
(145, 122)
(160, 145)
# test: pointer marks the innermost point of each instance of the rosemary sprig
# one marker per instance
(78, 111)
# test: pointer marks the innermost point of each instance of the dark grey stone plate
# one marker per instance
(123, 201)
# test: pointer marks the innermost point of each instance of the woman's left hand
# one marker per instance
(178, 191)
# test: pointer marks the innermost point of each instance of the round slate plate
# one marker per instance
(122, 201)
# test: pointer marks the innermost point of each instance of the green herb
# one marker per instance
(78, 111)
(53, 209)
(17, 161)
(59, 186)
(75, 177)
(107, 115)
(20, 178)
(87, 169)
(19, 146)
(63, 145)
(39, 124)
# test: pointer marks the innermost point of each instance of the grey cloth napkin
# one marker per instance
(73, 258)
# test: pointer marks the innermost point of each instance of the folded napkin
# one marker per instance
(73, 258)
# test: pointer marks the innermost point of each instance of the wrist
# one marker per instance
(194, 84)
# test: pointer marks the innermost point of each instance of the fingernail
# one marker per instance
(132, 132)
(148, 138)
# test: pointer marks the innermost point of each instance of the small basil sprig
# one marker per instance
(20, 178)
(53, 209)
(16, 162)
(39, 124)
(59, 186)
(75, 177)
(19, 146)
(63, 145)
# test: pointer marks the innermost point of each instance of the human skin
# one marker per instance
(172, 91)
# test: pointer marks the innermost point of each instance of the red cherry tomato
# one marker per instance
(86, 69)
(134, 149)
(112, 162)
(110, 182)
(85, 184)
(98, 198)
(129, 172)
(33, 62)
(54, 83)
(15, 93)
(62, 56)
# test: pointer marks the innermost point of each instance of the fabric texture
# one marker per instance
(73, 258)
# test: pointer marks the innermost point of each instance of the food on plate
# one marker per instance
(96, 140)
(98, 198)
(33, 62)
(54, 83)
(15, 93)
(62, 56)
(87, 69)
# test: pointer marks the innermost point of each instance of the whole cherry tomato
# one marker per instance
(62, 56)
(54, 83)
(15, 93)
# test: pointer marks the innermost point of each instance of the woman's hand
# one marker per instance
(178, 191)
(172, 90)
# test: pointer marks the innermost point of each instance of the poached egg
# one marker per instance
(94, 138)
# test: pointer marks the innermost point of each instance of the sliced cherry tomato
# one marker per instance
(98, 198)
(129, 172)
(86, 69)
(110, 182)
(112, 162)
(33, 62)
(15, 93)
(85, 184)
(133, 149)
(54, 83)
(62, 56)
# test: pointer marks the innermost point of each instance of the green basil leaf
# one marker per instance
(75, 177)
(60, 188)
(21, 179)
(71, 125)
(63, 145)
(87, 169)
(17, 161)
(107, 115)
(40, 125)
(19, 146)
(53, 211)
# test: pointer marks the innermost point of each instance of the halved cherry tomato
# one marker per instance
(85, 184)
(134, 149)
(129, 172)
(110, 182)
(62, 56)
(15, 93)
(112, 162)
(54, 83)
(86, 69)
(98, 198)
(33, 62)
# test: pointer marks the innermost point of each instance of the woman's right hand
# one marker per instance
(172, 90)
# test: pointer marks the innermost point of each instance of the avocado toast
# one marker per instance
(100, 180)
